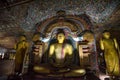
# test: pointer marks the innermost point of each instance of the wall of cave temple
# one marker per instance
(82, 20)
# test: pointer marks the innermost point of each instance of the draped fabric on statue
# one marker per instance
(75, 56)
(111, 57)
(20, 54)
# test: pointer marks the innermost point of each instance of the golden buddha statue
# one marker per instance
(111, 54)
(21, 50)
(60, 53)
(60, 58)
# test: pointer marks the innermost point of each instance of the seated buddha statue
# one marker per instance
(60, 57)
(60, 53)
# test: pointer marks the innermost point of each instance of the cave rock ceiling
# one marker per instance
(23, 15)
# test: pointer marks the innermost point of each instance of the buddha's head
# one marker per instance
(60, 36)
(22, 38)
(106, 34)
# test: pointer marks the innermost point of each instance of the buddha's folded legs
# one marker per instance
(71, 71)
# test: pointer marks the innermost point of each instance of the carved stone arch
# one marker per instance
(66, 23)
(77, 23)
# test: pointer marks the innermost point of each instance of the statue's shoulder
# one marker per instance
(68, 45)
(52, 45)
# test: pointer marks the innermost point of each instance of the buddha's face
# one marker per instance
(60, 37)
(22, 38)
(106, 35)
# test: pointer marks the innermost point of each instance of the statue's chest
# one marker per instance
(108, 42)
(59, 51)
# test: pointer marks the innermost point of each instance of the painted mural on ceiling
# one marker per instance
(28, 15)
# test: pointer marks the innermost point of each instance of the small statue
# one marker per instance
(37, 48)
(111, 54)
(21, 51)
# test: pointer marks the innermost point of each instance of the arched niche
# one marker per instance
(77, 23)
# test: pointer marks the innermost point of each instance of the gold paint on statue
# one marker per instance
(60, 50)
(111, 54)
(21, 51)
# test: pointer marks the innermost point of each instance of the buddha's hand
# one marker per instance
(68, 60)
